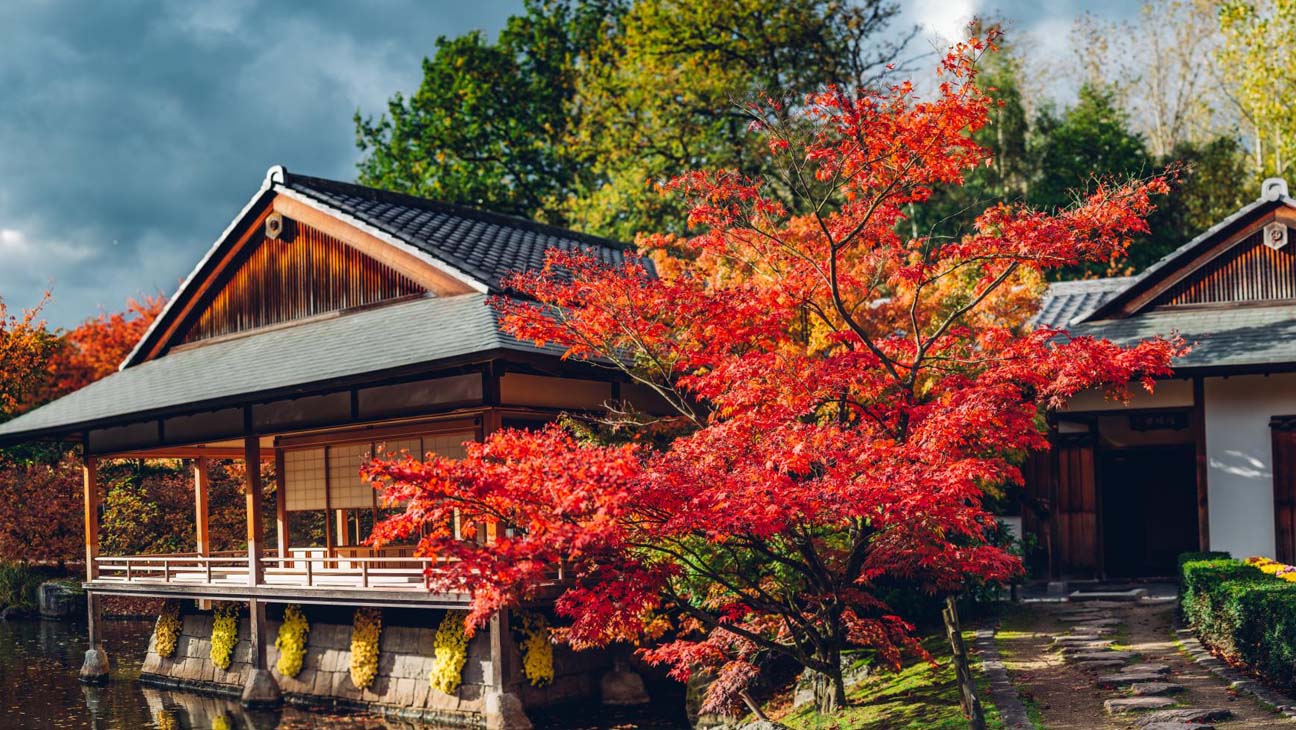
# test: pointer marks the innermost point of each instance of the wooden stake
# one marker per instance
(971, 705)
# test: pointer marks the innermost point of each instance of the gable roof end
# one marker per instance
(1273, 195)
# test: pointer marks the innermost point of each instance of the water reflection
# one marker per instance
(39, 691)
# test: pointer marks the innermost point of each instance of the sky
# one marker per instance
(132, 132)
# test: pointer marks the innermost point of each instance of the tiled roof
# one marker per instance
(283, 361)
(1225, 337)
(485, 245)
(1066, 300)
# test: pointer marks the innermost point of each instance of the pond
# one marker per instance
(39, 690)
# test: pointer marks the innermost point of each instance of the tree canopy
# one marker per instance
(843, 397)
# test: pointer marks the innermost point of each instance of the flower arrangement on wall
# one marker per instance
(224, 634)
(450, 653)
(166, 633)
(291, 641)
(366, 630)
(532, 630)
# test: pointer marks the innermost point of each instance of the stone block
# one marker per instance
(1151, 689)
(1185, 716)
(1127, 705)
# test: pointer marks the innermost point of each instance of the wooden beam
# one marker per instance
(202, 489)
(257, 633)
(184, 452)
(435, 279)
(255, 522)
(281, 503)
(90, 488)
(382, 432)
(1203, 464)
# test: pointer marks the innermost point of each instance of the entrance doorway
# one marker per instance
(1149, 508)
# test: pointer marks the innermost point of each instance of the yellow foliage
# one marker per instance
(537, 649)
(365, 633)
(166, 633)
(224, 635)
(220, 722)
(291, 641)
(165, 720)
(450, 653)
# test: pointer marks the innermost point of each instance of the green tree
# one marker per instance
(487, 127)
(581, 106)
(1259, 39)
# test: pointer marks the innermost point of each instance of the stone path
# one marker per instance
(1116, 665)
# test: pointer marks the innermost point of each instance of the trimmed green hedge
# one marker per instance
(1243, 613)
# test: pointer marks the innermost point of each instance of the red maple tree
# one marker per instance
(96, 347)
(843, 396)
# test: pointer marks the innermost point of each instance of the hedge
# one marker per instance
(1242, 613)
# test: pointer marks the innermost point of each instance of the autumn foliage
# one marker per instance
(843, 397)
(96, 347)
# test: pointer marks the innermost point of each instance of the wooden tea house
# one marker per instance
(327, 323)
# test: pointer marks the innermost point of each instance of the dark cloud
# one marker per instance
(131, 132)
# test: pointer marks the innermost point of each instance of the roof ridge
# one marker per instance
(458, 209)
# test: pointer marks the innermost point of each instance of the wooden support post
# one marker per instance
(202, 485)
(281, 505)
(261, 689)
(343, 529)
(1203, 464)
(255, 522)
(90, 487)
(94, 669)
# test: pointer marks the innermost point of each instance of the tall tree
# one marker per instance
(1258, 39)
(663, 95)
(582, 107)
(96, 348)
(842, 396)
(487, 127)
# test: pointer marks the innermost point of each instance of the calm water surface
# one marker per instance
(39, 691)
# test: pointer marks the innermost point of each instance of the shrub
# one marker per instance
(291, 641)
(19, 583)
(224, 634)
(450, 653)
(1243, 613)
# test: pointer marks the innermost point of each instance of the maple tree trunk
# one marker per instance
(830, 686)
(967, 689)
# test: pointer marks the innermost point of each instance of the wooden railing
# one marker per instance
(299, 569)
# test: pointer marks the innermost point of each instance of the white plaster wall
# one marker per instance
(1166, 394)
(1240, 457)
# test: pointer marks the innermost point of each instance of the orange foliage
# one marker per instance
(97, 346)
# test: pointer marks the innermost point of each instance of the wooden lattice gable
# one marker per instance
(1248, 258)
(287, 258)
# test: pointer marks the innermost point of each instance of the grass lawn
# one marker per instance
(915, 698)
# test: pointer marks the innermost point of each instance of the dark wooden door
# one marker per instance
(1149, 508)
(1077, 536)
(1284, 483)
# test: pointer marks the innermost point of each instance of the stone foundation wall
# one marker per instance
(401, 687)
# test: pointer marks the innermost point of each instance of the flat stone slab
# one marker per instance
(1178, 726)
(1184, 716)
(1130, 596)
(1155, 689)
(1104, 623)
(1087, 617)
(1148, 667)
(1113, 655)
(1099, 665)
(1126, 705)
(1072, 639)
(1088, 630)
(1125, 679)
(1090, 648)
